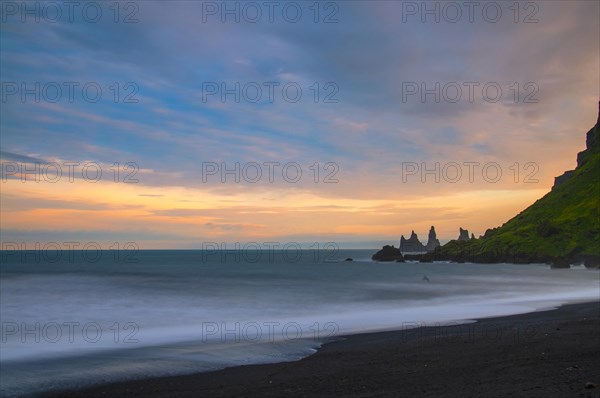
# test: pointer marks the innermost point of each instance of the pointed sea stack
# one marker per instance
(463, 234)
(412, 244)
(432, 242)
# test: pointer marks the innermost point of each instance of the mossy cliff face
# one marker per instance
(562, 227)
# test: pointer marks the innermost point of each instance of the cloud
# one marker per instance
(232, 227)
(366, 62)
(15, 157)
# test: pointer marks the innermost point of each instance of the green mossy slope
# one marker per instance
(561, 227)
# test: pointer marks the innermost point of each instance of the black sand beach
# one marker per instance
(552, 353)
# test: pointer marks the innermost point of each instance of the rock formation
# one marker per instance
(464, 234)
(432, 242)
(388, 253)
(412, 244)
(561, 179)
(591, 143)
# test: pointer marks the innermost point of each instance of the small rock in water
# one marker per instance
(388, 253)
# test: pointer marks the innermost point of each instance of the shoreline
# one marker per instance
(554, 352)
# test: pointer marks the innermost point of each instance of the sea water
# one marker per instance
(69, 321)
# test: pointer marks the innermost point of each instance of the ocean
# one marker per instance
(69, 320)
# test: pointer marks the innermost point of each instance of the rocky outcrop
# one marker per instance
(388, 253)
(463, 234)
(432, 242)
(592, 145)
(591, 261)
(412, 244)
(561, 179)
(560, 262)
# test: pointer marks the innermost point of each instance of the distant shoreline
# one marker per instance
(544, 353)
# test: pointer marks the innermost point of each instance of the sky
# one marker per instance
(183, 123)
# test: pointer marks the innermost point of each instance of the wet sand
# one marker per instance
(553, 353)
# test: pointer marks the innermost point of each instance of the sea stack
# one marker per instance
(432, 242)
(412, 244)
(463, 234)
